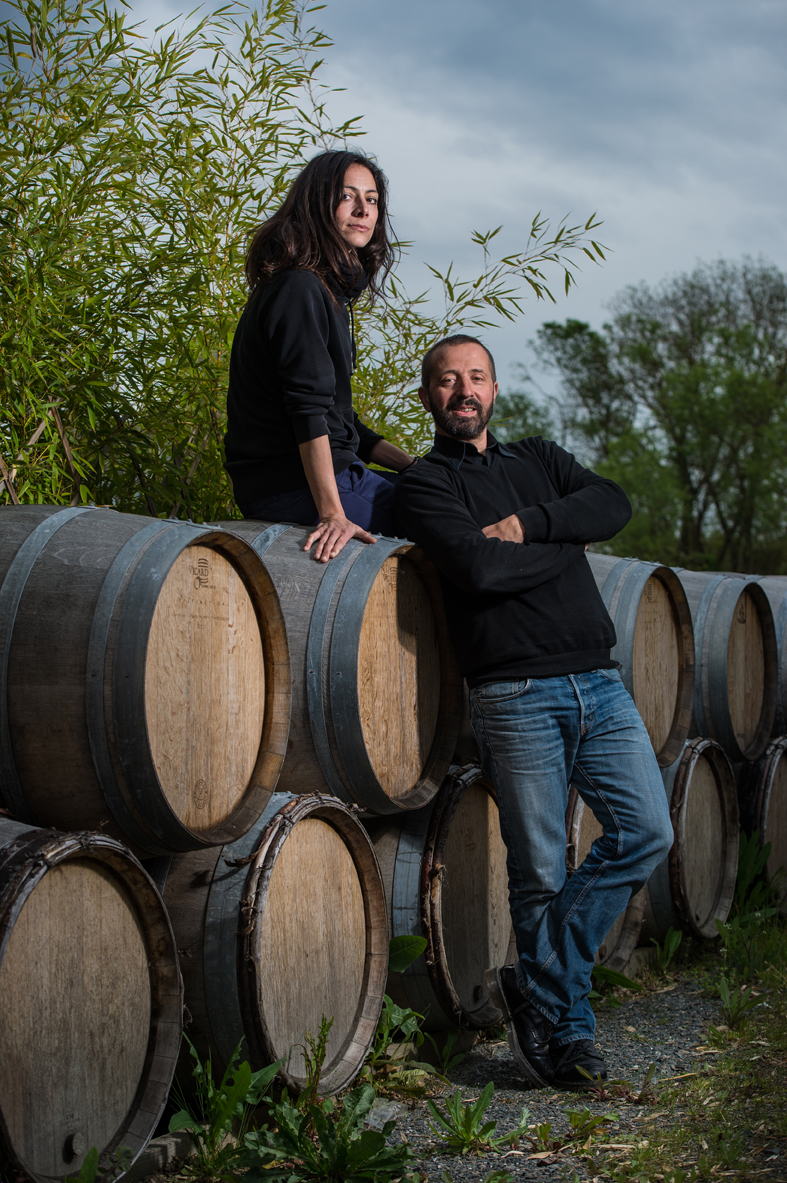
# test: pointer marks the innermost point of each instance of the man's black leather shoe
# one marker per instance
(528, 1030)
(568, 1060)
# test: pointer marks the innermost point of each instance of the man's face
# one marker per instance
(461, 394)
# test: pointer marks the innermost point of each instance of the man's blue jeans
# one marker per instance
(536, 738)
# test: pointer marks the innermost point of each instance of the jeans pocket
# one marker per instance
(491, 693)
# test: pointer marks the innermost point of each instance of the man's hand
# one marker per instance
(508, 529)
(333, 534)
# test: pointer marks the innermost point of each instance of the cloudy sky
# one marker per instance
(669, 119)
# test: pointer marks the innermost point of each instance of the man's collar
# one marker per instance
(457, 450)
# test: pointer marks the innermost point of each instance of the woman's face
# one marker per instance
(356, 214)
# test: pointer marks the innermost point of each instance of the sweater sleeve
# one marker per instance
(366, 438)
(433, 515)
(297, 326)
(590, 508)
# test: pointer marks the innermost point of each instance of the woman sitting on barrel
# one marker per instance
(295, 449)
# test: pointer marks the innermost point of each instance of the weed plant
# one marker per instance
(324, 1142)
(461, 1126)
(220, 1127)
(665, 954)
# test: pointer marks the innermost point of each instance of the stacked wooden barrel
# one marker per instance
(445, 877)
(737, 678)
(376, 696)
(158, 680)
(90, 1000)
(654, 645)
(278, 735)
(144, 677)
(694, 886)
(277, 930)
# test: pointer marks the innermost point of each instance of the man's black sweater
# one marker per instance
(290, 368)
(515, 610)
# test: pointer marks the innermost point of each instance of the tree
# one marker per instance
(518, 414)
(131, 176)
(682, 398)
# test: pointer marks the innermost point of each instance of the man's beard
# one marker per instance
(462, 429)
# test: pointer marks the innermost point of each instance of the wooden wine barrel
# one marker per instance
(144, 677)
(775, 588)
(655, 645)
(376, 695)
(91, 1001)
(444, 870)
(762, 795)
(582, 829)
(276, 930)
(736, 661)
(694, 886)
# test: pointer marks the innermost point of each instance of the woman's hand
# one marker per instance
(333, 534)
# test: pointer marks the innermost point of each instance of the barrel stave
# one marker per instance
(138, 652)
(694, 886)
(376, 695)
(281, 928)
(88, 1057)
(655, 645)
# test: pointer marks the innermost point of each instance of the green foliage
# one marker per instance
(403, 951)
(224, 1110)
(131, 174)
(749, 935)
(461, 1126)
(682, 399)
(518, 414)
(753, 892)
(608, 979)
(89, 1168)
(389, 1063)
(446, 1060)
(314, 1052)
(735, 1002)
(339, 1149)
(665, 954)
(115, 1164)
(583, 1122)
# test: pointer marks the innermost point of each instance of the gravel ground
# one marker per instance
(665, 1028)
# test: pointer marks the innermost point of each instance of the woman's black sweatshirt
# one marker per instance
(290, 367)
(515, 610)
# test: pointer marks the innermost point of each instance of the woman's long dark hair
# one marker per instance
(303, 232)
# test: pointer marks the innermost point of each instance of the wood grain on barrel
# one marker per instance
(704, 842)
(204, 687)
(694, 886)
(135, 691)
(474, 909)
(657, 661)
(312, 941)
(655, 645)
(398, 676)
(745, 670)
(76, 996)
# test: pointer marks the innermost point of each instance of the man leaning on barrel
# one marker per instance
(507, 526)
